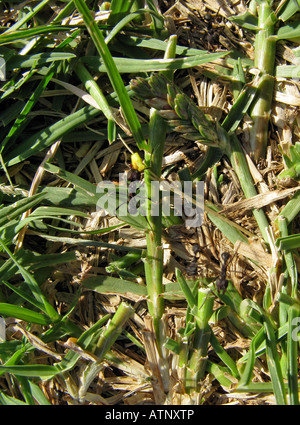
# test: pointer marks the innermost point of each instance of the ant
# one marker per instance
(133, 176)
(222, 282)
(192, 267)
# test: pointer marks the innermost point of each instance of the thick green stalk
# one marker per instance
(197, 363)
(265, 61)
(293, 314)
(292, 355)
(154, 260)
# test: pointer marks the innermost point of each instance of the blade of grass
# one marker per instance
(26, 17)
(292, 356)
(125, 20)
(23, 314)
(43, 372)
(34, 287)
(248, 371)
(224, 356)
(274, 363)
(22, 119)
(93, 88)
(114, 76)
(106, 340)
(129, 65)
(44, 138)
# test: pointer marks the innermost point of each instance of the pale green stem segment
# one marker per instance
(154, 260)
(155, 256)
(264, 60)
(239, 163)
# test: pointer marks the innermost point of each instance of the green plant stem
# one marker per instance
(265, 61)
(292, 314)
(107, 339)
(274, 363)
(292, 356)
(240, 166)
(154, 260)
(197, 363)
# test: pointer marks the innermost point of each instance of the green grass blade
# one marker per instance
(24, 314)
(113, 285)
(21, 22)
(26, 391)
(45, 138)
(292, 356)
(288, 242)
(287, 10)
(124, 21)
(34, 287)
(38, 394)
(6, 400)
(289, 31)
(18, 35)
(34, 370)
(274, 363)
(224, 356)
(248, 371)
(128, 65)
(37, 60)
(22, 120)
(14, 211)
(114, 76)
(24, 295)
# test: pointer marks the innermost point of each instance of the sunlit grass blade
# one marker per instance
(33, 370)
(247, 373)
(6, 400)
(17, 35)
(287, 9)
(113, 285)
(27, 17)
(292, 356)
(130, 65)
(124, 21)
(24, 314)
(96, 93)
(114, 76)
(224, 356)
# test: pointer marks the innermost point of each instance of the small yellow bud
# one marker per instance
(136, 162)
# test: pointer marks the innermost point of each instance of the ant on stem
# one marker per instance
(133, 176)
(222, 282)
